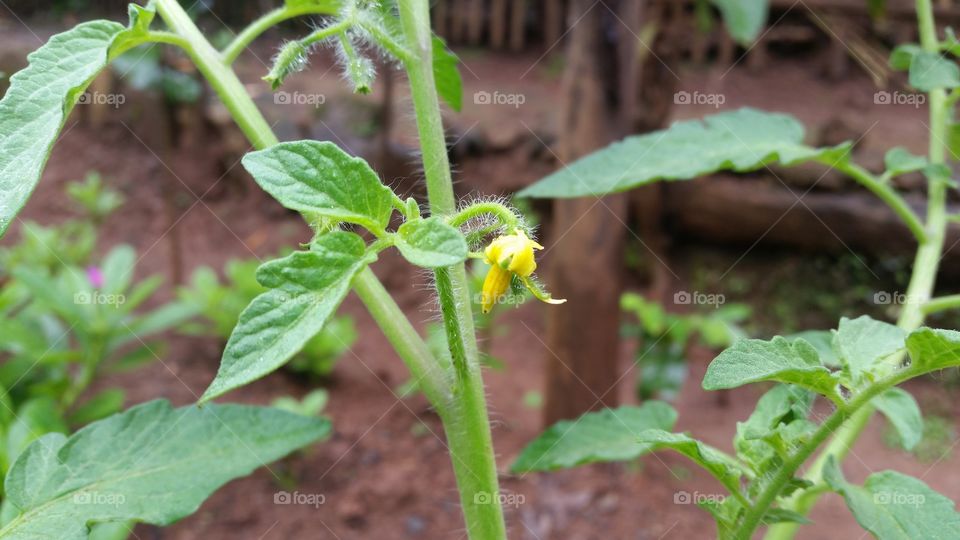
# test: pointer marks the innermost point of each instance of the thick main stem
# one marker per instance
(466, 423)
(919, 291)
(408, 344)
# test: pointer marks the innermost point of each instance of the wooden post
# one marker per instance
(586, 253)
(553, 22)
(440, 18)
(498, 23)
(475, 22)
(458, 20)
(518, 24)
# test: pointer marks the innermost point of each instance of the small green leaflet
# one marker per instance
(863, 342)
(306, 287)
(741, 140)
(903, 413)
(152, 463)
(822, 341)
(902, 56)
(929, 71)
(744, 19)
(894, 506)
(447, 76)
(602, 436)
(899, 160)
(753, 360)
(723, 467)
(931, 350)
(320, 179)
(41, 96)
(431, 243)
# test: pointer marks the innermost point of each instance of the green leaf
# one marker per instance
(753, 360)
(447, 76)
(601, 436)
(118, 268)
(931, 350)
(863, 342)
(822, 341)
(140, 18)
(929, 71)
(894, 506)
(904, 414)
(772, 425)
(98, 407)
(431, 243)
(35, 418)
(306, 288)
(899, 160)
(744, 19)
(741, 140)
(37, 103)
(782, 515)
(152, 463)
(723, 467)
(902, 56)
(321, 180)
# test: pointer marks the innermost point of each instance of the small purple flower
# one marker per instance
(95, 275)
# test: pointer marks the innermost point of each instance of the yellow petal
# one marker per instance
(494, 287)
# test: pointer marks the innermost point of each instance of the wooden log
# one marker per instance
(744, 211)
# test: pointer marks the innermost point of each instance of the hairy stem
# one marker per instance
(919, 291)
(888, 195)
(271, 19)
(467, 425)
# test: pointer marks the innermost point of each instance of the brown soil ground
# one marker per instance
(385, 473)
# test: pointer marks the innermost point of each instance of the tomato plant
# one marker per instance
(339, 196)
(60, 485)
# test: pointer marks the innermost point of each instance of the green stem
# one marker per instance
(919, 291)
(269, 20)
(410, 347)
(325, 32)
(503, 213)
(942, 303)
(467, 425)
(221, 78)
(888, 195)
(859, 403)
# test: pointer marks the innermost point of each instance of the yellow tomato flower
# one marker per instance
(510, 255)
